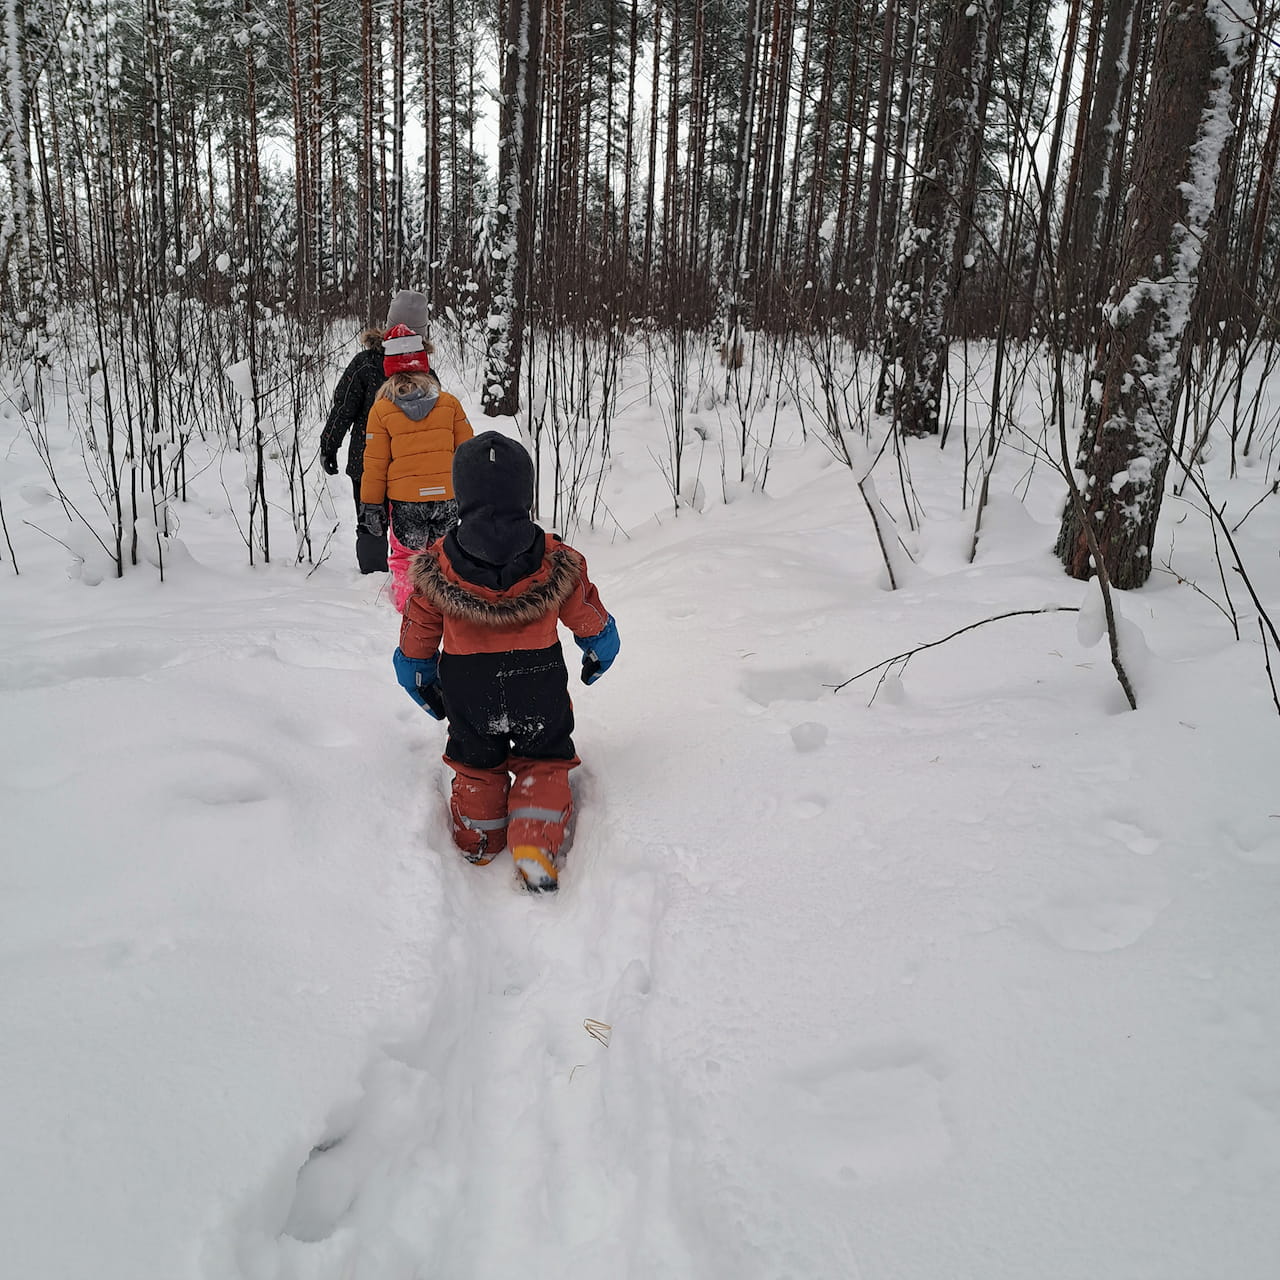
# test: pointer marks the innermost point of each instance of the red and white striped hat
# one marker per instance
(404, 351)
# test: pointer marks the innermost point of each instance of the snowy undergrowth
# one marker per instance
(972, 980)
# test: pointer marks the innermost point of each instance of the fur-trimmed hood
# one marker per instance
(529, 600)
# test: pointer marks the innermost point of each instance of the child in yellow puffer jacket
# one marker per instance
(411, 433)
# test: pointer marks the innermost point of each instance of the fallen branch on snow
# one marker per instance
(933, 644)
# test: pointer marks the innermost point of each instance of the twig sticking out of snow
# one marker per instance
(599, 1030)
(1266, 658)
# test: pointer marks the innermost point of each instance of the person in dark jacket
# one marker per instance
(479, 645)
(353, 397)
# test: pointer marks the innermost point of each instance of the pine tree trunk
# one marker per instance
(1082, 247)
(732, 269)
(931, 253)
(513, 221)
(1201, 48)
(19, 247)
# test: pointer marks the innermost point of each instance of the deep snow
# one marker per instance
(976, 981)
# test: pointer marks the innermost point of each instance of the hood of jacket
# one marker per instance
(497, 577)
(526, 601)
(416, 404)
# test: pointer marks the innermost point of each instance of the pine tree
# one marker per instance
(932, 247)
(1201, 48)
(511, 236)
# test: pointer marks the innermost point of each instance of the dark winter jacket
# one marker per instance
(353, 397)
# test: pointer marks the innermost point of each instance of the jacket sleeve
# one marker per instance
(461, 427)
(348, 405)
(584, 612)
(377, 456)
(421, 628)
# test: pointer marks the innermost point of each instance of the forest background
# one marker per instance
(826, 323)
(837, 198)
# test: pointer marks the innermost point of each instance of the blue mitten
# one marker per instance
(599, 651)
(417, 677)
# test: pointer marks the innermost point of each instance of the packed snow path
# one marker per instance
(976, 982)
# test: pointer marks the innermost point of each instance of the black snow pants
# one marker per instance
(507, 704)
(371, 548)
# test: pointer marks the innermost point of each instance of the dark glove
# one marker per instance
(329, 463)
(599, 651)
(417, 677)
(373, 518)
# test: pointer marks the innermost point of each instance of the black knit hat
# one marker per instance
(493, 484)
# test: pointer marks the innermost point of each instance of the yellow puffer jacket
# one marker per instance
(408, 450)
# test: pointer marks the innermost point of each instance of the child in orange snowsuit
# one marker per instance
(492, 591)
(412, 430)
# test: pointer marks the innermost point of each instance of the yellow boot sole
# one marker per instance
(537, 868)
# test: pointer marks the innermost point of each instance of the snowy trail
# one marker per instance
(484, 1144)
(974, 980)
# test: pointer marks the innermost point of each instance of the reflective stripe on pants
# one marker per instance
(541, 803)
(478, 806)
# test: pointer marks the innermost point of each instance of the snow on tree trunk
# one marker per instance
(1082, 253)
(1201, 47)
(931, 251)
(729, 321)
(20, 273)
(511, 237)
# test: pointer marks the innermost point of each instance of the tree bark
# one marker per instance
(1201, 48)
(931, 253)
(513, 220)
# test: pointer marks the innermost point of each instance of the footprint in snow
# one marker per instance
(315, 731)
(1255, 840)
(1133, 837)
(809, 736)
(790, 684)
(213, 774)
(809, 806)
(1096, 920)
(875, 1115)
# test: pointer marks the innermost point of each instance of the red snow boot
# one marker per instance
(478, 807)
(539, 810)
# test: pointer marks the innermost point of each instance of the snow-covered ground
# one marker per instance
(977, 981)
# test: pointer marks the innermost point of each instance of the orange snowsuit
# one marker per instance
(504, 685)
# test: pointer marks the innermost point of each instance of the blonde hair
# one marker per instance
(400, 384)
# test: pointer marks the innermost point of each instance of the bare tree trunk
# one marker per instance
(1069, 43)
(20, 272)
(1263, 194)
(1202, 47)
(393, 250)
(1082, 236)
(364, 163)
(932, 245)
(880, 147)
(740, 171)
(513, 220)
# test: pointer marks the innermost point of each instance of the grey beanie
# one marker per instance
(409, 309)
